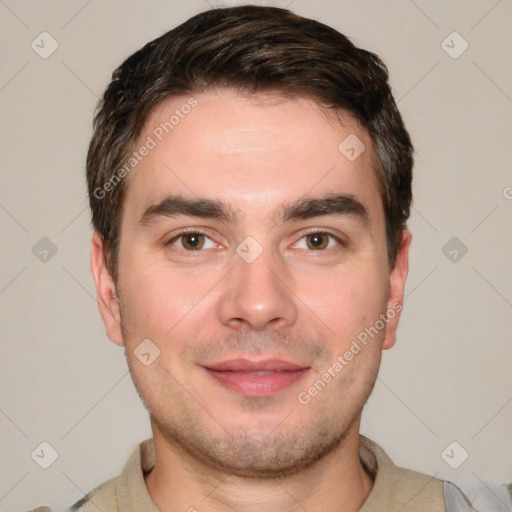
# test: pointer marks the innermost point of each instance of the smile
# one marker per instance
(256, 379)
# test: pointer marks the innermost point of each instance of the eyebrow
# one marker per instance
(330, 204)
(300, 209)
(172, 206)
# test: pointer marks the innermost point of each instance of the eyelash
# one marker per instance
(314, 231)
(199, 231)
(184, 232)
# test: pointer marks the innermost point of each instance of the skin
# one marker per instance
(216, 449)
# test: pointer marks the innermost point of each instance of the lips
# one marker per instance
(256, 378)
(244, 365)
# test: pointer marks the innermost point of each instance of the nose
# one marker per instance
(257, 295)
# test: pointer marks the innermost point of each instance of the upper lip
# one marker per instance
(245, 365)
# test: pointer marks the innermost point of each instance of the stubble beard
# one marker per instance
(261, 451)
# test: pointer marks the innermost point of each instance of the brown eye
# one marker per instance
(192, 241)
(317, 241)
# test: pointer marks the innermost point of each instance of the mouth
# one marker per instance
(250, 378)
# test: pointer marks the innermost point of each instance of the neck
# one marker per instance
(336, 483)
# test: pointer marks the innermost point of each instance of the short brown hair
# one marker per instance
(254, 49)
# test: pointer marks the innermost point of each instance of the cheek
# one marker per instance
(161, 302)
(152, 303)
(348, 300)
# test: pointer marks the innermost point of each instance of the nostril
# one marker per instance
(238, 323)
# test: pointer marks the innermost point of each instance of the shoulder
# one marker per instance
(398, 488)
(102, 497)
(455, 499)
(121, 488)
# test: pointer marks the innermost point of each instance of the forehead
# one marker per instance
(251, 150)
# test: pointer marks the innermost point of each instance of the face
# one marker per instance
(253, 257)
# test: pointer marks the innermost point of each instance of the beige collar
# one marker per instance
(394, 488)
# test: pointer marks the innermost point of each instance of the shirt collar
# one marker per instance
(131, 491)
(133, 496)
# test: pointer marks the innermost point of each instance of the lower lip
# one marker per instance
(257, 385)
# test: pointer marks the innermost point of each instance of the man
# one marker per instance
(250, 182)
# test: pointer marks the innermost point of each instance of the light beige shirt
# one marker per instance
(395, 489)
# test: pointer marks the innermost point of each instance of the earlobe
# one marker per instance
(108, 302)
(397, 280)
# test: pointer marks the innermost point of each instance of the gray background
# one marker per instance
(449, 376)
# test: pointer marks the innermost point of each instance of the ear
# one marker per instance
(105, 291)
(397, 278)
